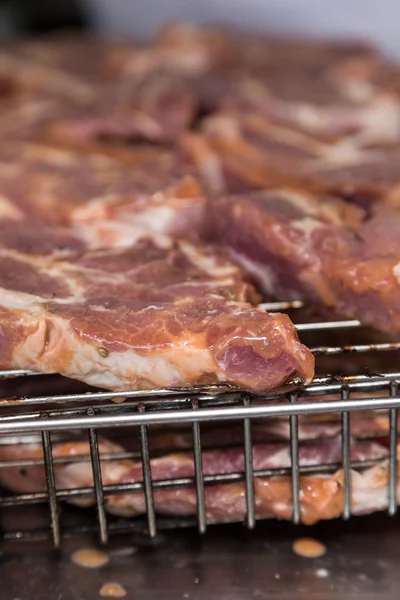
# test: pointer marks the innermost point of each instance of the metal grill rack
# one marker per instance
(89, 413)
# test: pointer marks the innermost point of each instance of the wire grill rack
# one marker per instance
(49, 418)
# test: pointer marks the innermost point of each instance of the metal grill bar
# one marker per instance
(98, 485)
(199, 476)
(12, 373)
(328, 325)
(134, 394)
(67, 460)
(170, 484)
(249, 472)
(321, 385)
(206, 414)
(393, 420)
(280, 306)
(127, 526)
(368, 383)
(294, 459)
(148, 485)
(346, 457)
(118, 456)
(205, 394)
(51, 488)
(359, 348)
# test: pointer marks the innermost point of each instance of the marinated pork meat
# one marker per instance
(87, 89)
(369, 179)
(238, 150)
(97, 199)
(158, 109)
(296, 246)
(327, 90)
(114, 207)
(143, 317)
(47, 182)
(321, 496)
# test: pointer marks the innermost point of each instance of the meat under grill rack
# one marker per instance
(47, 419)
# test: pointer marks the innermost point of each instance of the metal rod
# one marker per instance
(98, 485)
(51, 487)
(346, 457)
(170, 484)
(121, 527)
(272, 306)
(148, 487)
(134, 394)
(371, 434)
(294, 461)
(393, 420)
(362, 383)
(174, 401)
(199, 477)
(206, 414)
(358, 349)
(327, 325)
(12, 373)
(68, 460)
(248, 466)
(206, 394)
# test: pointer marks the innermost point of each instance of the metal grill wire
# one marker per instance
(194, 406)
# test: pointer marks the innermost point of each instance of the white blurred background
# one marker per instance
(376, 20)
(372, 19)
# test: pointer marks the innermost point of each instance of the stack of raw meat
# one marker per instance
(151, 195)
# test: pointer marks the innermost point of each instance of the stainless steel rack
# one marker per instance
(32, 418)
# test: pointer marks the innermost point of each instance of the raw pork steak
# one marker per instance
(328, 253)
(142, 317)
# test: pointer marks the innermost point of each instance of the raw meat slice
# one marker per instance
(102, 88)
(143, 317)
(114, 89)
(39, 239)
(105, 200)
(158, 110)
(321, 496)
(176, 211)
(46, 182)
(374, 120)
(296, 246)
(89, 58)
(239, 150)
(324, 89)
(368, 178)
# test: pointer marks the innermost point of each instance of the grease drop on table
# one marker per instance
(112, 590)
(89, 558)
(308, 548)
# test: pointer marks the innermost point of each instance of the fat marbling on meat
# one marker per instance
(143, 317)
